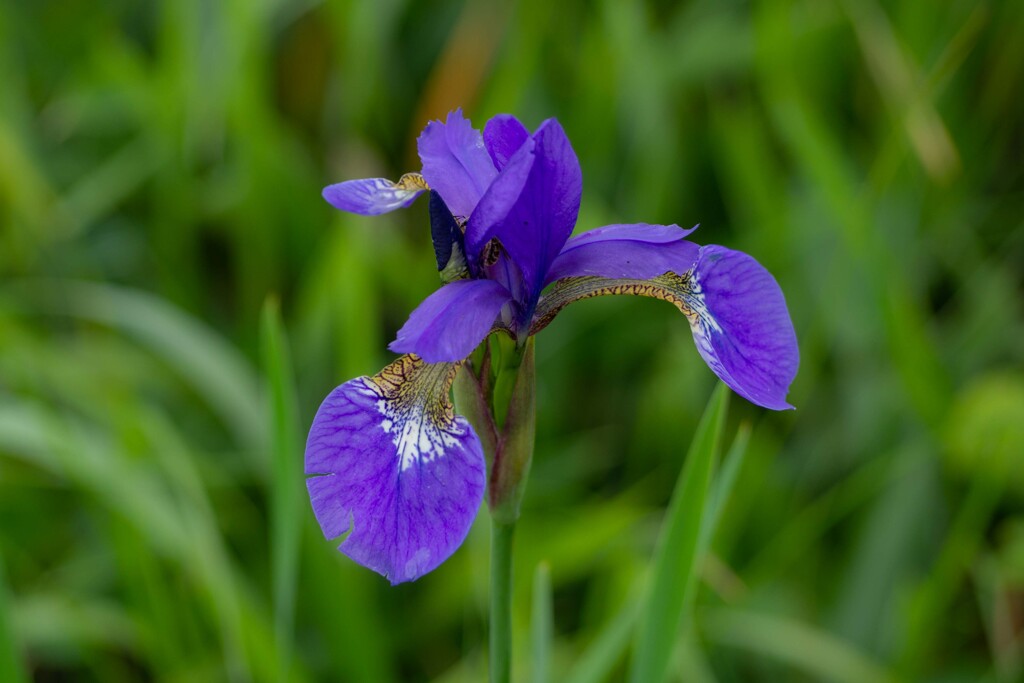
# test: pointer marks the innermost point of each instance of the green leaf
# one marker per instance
(725, 480)
(817, 653)
(287, 481)
(217, 371)
(598, 661)
(670, 592)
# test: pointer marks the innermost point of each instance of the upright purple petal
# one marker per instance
(452, 321)
(503, 136)
(742, 327)
(640, 251)
(455, 162)
(389, 459)
(374, 196)
(531, 207)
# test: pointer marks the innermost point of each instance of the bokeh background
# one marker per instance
(176, 299)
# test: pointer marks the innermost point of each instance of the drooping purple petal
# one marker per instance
(503, 136)
(455, 162)
(389, 459)
(531, 207)
(452, 321)
(742, 326)
(735, 309)
(640, 250)
(374, 196)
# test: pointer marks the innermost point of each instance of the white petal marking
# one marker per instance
(415, 411)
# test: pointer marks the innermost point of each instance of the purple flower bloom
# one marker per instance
(386, 455)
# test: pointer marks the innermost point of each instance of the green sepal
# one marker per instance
(471, 403)
(506, 359)
(514, 453)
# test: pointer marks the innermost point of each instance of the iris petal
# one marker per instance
(639, 250)
(390, 460)
(452, 321)
(455, 162)
(743, 329)
(531, 207)
(503, 136)
(374, 196)
(736, 310)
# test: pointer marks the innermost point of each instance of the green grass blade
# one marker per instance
(817, 653)
(725, 480)
(676, 559)
(691, 663)
(542, 624)
(934, 597)
(10, 664)
(285, 485)
(598, 661)
(217, 371)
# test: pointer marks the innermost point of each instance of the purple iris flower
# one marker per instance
(388, 459)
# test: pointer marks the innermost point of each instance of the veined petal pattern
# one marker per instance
(374, 196)
(736, 311)
(388, 458)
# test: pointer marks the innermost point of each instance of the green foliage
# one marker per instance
(160, 168)
(674, 565)
(286, 482)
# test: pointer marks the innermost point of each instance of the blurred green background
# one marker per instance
(176, 299)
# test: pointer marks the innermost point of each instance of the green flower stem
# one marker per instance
(500, 403)
(471, 403)
(501, 601)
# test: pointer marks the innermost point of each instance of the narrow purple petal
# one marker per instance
(374, 196)
(742, 326)
(532, 205)
(452, 321)
(390, 460)
(639, 232)
(640, 251)
(455, 162)
(503, 136)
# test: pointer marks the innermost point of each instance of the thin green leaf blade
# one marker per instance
(286, 483)
(599, 659)
(806, 648)
(217, 371)
(725, 480)
(676, 559)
